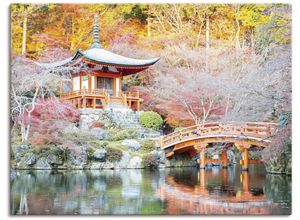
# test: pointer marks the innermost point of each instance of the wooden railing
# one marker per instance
(81, 92)
(252, 129)
(134, 94)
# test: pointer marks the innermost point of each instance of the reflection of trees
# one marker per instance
(85, 192)
(278, 189)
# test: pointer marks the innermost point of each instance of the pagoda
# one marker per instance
(101, 85)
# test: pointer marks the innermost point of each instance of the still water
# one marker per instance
(168, 191)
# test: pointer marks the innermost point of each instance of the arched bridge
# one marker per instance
(196, 138)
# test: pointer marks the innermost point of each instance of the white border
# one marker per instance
(4, 85)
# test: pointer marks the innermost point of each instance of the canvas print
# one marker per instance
(150, 109)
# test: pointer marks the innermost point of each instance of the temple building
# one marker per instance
(101, 85)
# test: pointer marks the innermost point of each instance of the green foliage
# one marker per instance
(90, 151)
(152, 208)
(136, 13)
(113, 154)
(147, 145)
(117, 134)
(151, 119)
(83, 139)
(149, 161)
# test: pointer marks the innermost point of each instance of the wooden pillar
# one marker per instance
(202, 174)
(94, 102)
(245, 162)
(224, 177)
(129, 104)
(202, 163)
(80, 82)
(224, 159)
(89, 82)
(84, 102)
(245, 182)
(138, 105)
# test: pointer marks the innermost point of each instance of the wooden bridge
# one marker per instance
(196, 139)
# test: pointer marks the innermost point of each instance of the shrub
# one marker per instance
(149, 161)
(113, 154)
(117, 134)
(147, 145)
(151, 120)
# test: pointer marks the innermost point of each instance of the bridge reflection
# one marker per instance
(207, 197)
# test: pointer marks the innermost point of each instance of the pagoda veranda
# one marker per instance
(96, 84)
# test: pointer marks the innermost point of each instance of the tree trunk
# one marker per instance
(148, 27)
(24, 31)
(238, 29)
(207, 42)
(199, 35)
(252, 40)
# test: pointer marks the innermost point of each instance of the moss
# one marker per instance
(147, 146)
(83, 139)
(117, 134)
(90, 151)
(151, 120)
(113, 154)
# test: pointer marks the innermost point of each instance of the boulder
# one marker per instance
(19, 150)
(78, 158)
(13, 174)
(30, 159)
(159, 156)
(53, 160)
(99, 133)
(132, 144)
(102, 165)
(99, 154)
(43, 164)
(123, 163)
(135, 162)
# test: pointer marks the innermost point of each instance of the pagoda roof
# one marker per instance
(103, 58)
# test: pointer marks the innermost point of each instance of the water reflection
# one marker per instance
(170, 191)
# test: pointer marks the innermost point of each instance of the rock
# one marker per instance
(158, 155)
(100, 154)
(71, 128)
(52, 159)
(135, 163)
(131, 144)
(30, 159)
(123, 163)
(19, 150)
(43, 164)
(102, 165)
(13, 174)
(99, 133)
(78, 158)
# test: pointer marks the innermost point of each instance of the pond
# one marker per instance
(142, 192)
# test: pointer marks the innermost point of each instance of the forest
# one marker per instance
(218, 62)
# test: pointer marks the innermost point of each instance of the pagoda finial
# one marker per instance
(95, 43)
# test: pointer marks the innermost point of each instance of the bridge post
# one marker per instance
(245, 161)
(202, 158)
(224, 159)
(245, 182)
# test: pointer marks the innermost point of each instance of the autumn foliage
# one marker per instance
(49, 119)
